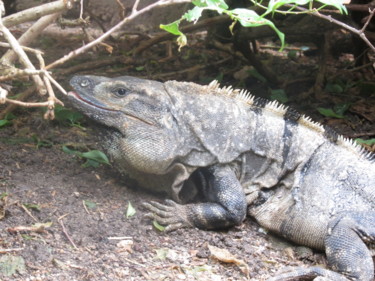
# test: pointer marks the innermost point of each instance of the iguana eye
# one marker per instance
(120, 92)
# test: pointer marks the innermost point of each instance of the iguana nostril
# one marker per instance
(85, 82)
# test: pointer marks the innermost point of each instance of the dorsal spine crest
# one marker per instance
(279, 109)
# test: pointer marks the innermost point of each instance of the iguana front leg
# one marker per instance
(224, 206)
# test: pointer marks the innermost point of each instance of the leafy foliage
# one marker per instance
(64, 115)
(337, 112)
(7, 120)
(130, 211)
(366, 142)
(10, 265)
(89, 204)
(93, 157)
(158, 226)
(248, 17)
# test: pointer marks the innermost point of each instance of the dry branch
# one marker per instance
(38, 12)
(135, 13)
(360, 32)
(41, 78)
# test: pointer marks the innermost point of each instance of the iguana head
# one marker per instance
(122, 101)
(137, 112)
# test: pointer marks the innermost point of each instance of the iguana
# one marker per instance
(242, 155)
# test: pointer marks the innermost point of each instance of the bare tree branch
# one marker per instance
(359, 32)
(37, 12)
(105, 35)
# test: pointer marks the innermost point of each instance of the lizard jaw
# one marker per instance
(76, 96)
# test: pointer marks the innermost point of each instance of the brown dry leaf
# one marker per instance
(224, 255)
(38, 228)
(3, 205)
(364, 109)
(125, 246)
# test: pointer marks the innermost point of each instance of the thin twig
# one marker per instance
(27, 211)
(329, 18)
(4, 251)
(28, 104)
(122, 8)
(57, 85)
(22, 56)
(368, 19)
(66, 232)
(84, 206)
(37, 12)
(135, 6)
(15, 72)
(30, 35)
(27, 49)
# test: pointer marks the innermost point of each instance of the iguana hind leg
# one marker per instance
(345, 245)
(346, 250)
(225, 203)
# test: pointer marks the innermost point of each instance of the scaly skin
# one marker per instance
(233, 151)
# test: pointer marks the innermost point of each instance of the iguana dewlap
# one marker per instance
(243, 155)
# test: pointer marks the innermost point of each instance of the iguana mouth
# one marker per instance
(78, 97)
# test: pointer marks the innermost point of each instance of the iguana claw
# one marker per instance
(170, 214)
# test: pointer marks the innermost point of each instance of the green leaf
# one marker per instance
(338, 4)
(97, 156)
(41, 143)
(27, 237)
(249, 18)
(10, 265)
(65, 115)
(161, 254)
(172, 27)
(254, 73)
(4, 122)
(32, 206)
(279, 95)
(341, 108)
(69, 151)
(193, 15)
(89, 204)
(94, 157)
(3, 195)
(91, 163)
(130, 211)
(334, 88)
(328, 112)
(293, 54)
(367, 142)
(158, 226)
(211, 4)
(273, 5)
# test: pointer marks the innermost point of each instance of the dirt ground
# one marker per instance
(88, 206)
(63, 221)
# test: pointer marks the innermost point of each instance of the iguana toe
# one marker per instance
(170, 214)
